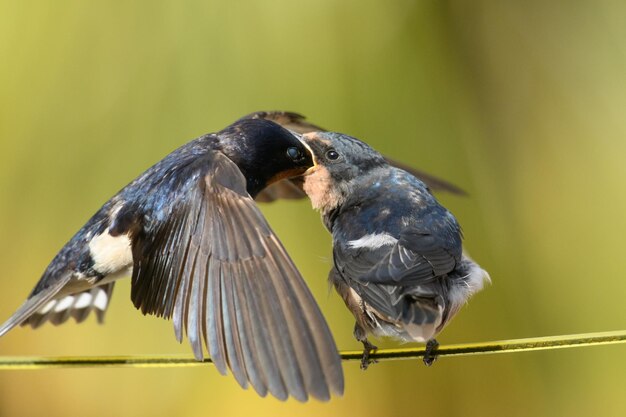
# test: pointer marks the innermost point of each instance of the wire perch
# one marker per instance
(483, 348)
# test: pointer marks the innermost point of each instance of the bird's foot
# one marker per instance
(368, 348)
(430, 355)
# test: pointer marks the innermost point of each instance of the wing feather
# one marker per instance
(276, 298)
(231, 330)
(214, 321)
(196, 308)
(246, 337)
(266, 355)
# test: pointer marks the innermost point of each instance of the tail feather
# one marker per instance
(77, 306)
(35, 303)
(422, 317)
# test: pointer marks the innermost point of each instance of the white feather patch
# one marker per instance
(47, 307)
(98, 300)
(101, 300)
(110, 253)
(373, 241)
(83, 301)
(64, 303)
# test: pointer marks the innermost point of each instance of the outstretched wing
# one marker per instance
(292, 188)
(215, 266)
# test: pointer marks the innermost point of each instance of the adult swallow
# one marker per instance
(291, 188)
(201, 253)
(398, 257)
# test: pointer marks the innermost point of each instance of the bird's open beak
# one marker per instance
(302, 139)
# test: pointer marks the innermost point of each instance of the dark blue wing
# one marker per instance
(213, 264)
(430, 247)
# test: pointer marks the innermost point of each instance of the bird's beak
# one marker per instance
(303, 140)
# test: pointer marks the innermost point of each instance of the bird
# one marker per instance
(200, 252)
(398, 260)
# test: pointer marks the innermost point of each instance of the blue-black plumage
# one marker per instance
(398, 257)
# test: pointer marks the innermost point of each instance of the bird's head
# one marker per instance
(339, 161)
(264, 152)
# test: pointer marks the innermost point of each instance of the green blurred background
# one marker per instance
(522, 103)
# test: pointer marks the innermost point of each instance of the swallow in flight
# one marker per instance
(200, 252)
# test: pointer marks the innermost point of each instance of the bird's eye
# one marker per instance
(332, 154)
(294, 153)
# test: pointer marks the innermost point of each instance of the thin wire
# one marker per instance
(483, 348)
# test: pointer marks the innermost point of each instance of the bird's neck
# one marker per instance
(325, 193)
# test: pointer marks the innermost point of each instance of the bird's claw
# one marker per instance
(368, 348)
(430, 355)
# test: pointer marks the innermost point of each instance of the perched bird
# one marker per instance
(200, 252)
(291, 188)
(398, 258)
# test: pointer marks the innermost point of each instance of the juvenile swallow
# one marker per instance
(291, 188)
(398, 257)
(201, 253)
